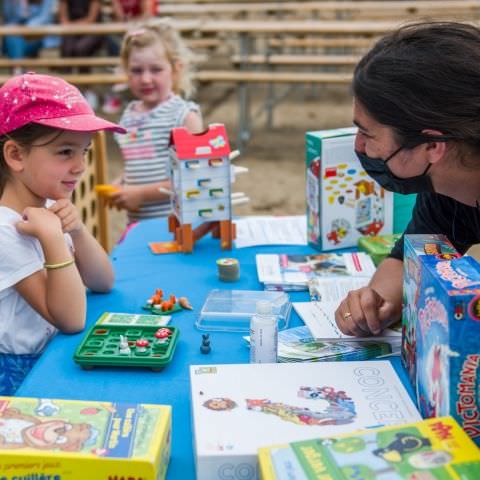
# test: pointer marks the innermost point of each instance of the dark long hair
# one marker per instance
(424, 76)
(26, 137)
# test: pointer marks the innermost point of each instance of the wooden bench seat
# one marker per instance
(58, 62)
(320, 42)
(330, 9)
(300, 59)
(221, 76)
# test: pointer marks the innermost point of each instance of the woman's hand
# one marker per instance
(364, 312)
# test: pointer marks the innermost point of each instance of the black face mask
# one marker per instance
(378, 169)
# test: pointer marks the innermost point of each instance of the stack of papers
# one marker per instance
(319, 317)
(298, 345)
(293, 272)
(267, 230)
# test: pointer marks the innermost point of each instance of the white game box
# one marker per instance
(239, 408)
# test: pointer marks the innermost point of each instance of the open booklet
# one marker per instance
(293, 272)
(319, 317)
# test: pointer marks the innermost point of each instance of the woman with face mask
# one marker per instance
(417, 109)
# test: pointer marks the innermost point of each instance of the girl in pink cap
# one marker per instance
(158, 66)
(47, 256)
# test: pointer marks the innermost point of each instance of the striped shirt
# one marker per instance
(145, 147)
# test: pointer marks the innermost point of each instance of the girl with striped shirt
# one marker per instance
(158, 67)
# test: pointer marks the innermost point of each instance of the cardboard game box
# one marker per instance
(418, 250)
(239, 408)
(343, 202)
(441, 328)
(431, 449)
(79, 440)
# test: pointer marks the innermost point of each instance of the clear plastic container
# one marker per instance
(231, 310)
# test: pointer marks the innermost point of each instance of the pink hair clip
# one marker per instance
(136, 33)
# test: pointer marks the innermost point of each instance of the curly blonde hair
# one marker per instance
(162, 31)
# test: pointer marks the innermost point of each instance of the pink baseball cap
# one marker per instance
(50, 101)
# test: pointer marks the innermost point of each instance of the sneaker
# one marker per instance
(112, 104)
(92, 98)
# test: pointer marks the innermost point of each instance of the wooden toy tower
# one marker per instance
(201, 184)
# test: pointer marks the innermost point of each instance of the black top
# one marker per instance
(79, 9)
(435, 213)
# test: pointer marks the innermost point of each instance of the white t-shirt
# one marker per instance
(22, 329)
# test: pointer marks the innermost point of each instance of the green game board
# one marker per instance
(102, 344)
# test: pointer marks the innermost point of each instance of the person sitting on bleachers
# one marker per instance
(124, 11)
(81, 12)
(30, 13)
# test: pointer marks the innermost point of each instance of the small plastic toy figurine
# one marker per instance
(162, 335)
(124, 348)
(185, 303)
(205, 346)
(159, 305)
(142, 344)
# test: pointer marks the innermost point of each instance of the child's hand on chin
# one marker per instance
(40, 223)
(68, 215)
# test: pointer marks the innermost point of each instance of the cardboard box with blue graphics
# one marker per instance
(441, 326)
(343, 202)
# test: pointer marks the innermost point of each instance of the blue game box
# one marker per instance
(441, 329)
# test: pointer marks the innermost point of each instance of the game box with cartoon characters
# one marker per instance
(78, 440)
(239, 408)
(434, 449)
(441, 329)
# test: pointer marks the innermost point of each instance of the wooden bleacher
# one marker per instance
(272, 42)
(459, 9)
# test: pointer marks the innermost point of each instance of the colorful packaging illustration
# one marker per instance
(434, 449)
(343, 202)
(239, 408)
(78, 440)
(441, 329)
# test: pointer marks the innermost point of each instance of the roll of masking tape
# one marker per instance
(228, 269)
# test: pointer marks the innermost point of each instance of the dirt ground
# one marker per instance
(275, 157)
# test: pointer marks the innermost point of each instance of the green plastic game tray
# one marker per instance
(101, 346)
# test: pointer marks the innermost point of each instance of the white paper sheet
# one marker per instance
(319, 317)
(252, 231)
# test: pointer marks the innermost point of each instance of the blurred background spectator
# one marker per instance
(85, 12)
(124, 11)
(31, 13)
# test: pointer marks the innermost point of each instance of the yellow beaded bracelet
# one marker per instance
(54, 266)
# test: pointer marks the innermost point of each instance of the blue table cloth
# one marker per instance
(138, 273)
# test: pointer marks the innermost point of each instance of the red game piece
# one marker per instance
(162, 333)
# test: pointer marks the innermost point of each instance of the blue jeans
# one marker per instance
(13, 370)
(15, 46)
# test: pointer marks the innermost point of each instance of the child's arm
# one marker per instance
(92, 261)
(132, 197)
(117, 11)
(57, 294)
(63, 16)
(148, 8)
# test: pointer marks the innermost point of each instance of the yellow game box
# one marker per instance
(433, 449)
(46, 439)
